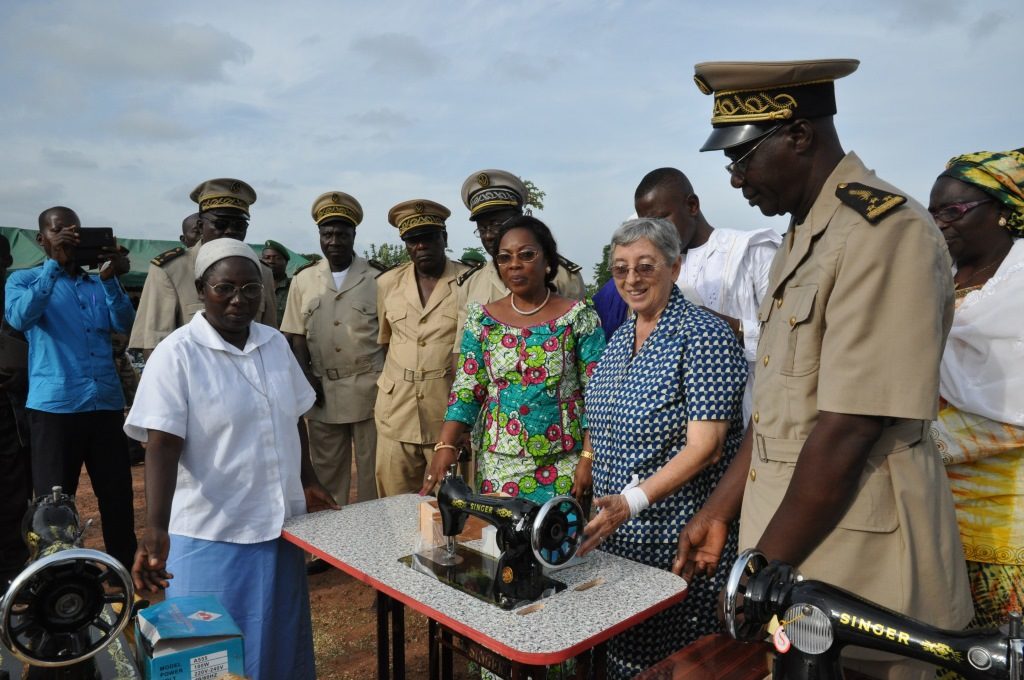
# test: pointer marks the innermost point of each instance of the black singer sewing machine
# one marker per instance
(819, 620)
(531, 537)
(63, 615)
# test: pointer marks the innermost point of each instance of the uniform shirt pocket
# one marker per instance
(308, 315)
(874, 506)
(803, 342)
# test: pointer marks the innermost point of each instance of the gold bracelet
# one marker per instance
(441, 445)
(589, 455)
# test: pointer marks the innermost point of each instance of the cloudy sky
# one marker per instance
(118, 109)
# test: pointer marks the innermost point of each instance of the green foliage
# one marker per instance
(534, 197)
(388, 254)
(474, 254)
(601, 271)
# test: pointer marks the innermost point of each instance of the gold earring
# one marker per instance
(1002, 221)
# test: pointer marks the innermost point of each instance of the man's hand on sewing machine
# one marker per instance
(701, 543)
(612, 512)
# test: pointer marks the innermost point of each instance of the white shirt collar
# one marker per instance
(205, 334)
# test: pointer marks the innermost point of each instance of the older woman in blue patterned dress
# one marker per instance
(665, 416)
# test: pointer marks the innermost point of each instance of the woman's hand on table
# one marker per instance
(318, 498)
(439, 464)
(701, 543)
(149, 571)
(613, 511)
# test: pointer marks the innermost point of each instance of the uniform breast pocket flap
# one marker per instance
(385, 384)
(396, 315)
(803, 346)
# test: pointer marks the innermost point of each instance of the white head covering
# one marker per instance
(215, 251)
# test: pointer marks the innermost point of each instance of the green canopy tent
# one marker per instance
(27, 253)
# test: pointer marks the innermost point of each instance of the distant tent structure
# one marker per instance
(27, 253)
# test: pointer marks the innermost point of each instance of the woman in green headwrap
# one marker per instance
(978, 203)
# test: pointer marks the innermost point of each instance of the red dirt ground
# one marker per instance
(344, 619)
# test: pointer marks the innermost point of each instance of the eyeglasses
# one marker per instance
(645, 270)
(526, 256)
(739, 166)
(226, 223)
(250, 291)
(951, 212)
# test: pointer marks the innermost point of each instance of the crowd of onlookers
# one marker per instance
(844, 398)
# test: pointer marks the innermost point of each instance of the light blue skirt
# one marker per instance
(263, 586)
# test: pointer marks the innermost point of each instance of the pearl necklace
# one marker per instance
(532, 311)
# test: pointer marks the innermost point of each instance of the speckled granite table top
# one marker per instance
(367, 539)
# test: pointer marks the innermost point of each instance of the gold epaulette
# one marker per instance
(473, 268)
(569, 265)
(870, 203)
(168, 255)
(305, 266)
(379, 266)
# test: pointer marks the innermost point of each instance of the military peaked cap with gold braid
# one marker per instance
(487, 190)
(872, 204)
(224, 193)
(418, 216)
(334, 205)
(754, 97)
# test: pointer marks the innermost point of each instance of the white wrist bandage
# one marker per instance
(637, 500)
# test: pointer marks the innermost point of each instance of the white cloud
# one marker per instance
(399, 54)
(151, 125)
(68, 158)
(115, 40)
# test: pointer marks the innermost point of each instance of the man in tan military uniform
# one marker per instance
(416, 305)
(492, 198)
(331, 323)
(837, 474)
(169, 297)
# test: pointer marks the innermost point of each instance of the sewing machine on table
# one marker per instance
(819, 620)
(531, 538)
(63, 616)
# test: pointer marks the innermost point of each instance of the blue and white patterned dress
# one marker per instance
(690, 368)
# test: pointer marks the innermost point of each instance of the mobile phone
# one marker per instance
(91, 242)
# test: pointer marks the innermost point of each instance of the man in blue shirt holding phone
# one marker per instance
(75, 402)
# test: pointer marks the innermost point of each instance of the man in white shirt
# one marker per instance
(725, 270)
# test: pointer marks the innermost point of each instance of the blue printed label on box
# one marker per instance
(188, 638)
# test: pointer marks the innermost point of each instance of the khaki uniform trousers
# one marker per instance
(401, 466)
(330, 449)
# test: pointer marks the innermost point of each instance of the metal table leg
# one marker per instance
(397, 639)
(383, 667)
(433, 658)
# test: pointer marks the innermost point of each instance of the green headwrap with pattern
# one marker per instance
(1000, 174)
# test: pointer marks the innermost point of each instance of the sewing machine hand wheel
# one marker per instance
(557, 531)
(54, 613)
(734, 603)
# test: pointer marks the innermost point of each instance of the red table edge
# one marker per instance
(531, 659)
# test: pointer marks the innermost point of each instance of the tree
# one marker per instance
(534, 197)
(601, 271)
(474, 254)
(388, 254)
